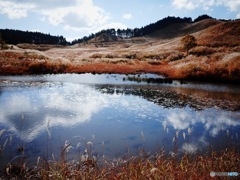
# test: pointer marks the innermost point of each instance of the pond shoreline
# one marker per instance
(165, 79)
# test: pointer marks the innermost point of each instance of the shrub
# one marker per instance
(3, 45)
(154, 62)
(188, 42)
(46, 67)
(95, 56)
(201, 51)
(131, 55)
(160, 56)
(175, 56)
(110, 56)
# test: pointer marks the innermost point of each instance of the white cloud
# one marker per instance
(114, 25)
(232, 5)
(127, 16)
(46, 4)
(83, 14)
(15, 11)
(94, 29)
(54, 18)
(85, 17)
(73, 15)
(184, 4)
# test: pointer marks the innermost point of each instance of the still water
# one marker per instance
(118, 115)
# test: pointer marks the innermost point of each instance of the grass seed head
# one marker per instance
(184, 135)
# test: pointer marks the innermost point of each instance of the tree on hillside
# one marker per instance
(202, 17)
(188, 42)
(138, 32)
(11, 36)
(3, 44)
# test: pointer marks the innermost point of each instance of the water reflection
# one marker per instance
(169, 97)
(205, 115)
(86, 78)
(118, 115)
(63, 106)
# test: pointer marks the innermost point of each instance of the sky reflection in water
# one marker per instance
(115, 115)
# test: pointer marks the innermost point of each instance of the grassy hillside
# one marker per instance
(223, 34)
(180, 29)
(216, 56)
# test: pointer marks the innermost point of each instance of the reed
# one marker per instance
(158, 166)
(161, 165)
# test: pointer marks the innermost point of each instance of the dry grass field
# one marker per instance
(216, 56)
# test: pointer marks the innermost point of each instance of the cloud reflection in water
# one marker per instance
(204, 124)
(65, 106)
(120, 114)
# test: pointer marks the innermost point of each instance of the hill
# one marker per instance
(136, 32)
(17, 36)
(180, 29)
(216, 57)
(223, 34)
(106, 38)
(11, 36)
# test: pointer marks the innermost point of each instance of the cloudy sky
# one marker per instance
(77, 18)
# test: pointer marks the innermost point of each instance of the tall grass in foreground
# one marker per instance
(89, 165)
(136, 167)
(143, 166)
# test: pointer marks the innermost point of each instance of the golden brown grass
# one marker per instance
(143, 166)
(214, 58)
(160, 166)
(46, 67)
(202, 51)
(39, 47)
(202, 63)
(223, 34)
(18, 62)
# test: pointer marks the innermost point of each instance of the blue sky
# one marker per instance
(77, 18)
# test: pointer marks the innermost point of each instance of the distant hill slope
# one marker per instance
(222, 34)
(167, 28)
(180, 29)
(209, 31)
(136, 32)
(106, 38)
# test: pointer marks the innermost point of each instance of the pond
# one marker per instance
(120, 115)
